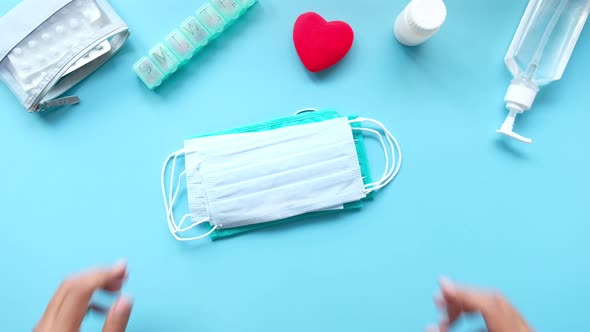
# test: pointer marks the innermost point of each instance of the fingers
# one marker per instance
(118, 316)
(79, 291)
(495, 309)
(443, 326)
(432, 328)
(118, 277)
(468, 300)
(55, 303)
(113, 280)
(451, 312)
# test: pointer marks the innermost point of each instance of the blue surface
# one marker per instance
(80, 186)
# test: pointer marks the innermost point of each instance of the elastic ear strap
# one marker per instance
(170, 199)
(305, 110)
(392, 167)
(387, 170)
(193, 225)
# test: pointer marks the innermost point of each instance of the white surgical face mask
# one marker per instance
(281, 173)
(224, 144)
(244, 179)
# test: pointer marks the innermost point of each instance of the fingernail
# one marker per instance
(120, 263)
(447, 284)
(432, 328)
(123, 305)
(120, 267)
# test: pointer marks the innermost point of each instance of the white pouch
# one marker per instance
(49, 46)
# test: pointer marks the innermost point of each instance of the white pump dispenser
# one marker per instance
(539, 52)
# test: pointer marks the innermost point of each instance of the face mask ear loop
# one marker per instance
(163, 175)
(193, 225)
(169, 212)
(186, 217)
(395, 152)
(387, 168)
(397, 166)
(171, 181)
(305, 110)
(171, 199)
(200, 237)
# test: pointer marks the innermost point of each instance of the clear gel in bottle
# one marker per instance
(540, 51)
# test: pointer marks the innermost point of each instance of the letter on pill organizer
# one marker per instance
(164, 59)
(182, 48)
(148, 72)
(229, 9)
(211, 19)
(195, 32)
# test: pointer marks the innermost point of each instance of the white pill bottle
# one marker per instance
(419, 21)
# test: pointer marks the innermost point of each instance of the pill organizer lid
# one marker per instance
(36, 12)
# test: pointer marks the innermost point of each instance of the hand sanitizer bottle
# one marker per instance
(540, 51)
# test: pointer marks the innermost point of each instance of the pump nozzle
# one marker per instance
(507, 126)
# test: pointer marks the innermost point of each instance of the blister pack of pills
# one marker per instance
(55, 44)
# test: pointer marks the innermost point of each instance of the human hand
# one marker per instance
(498, 313)
(71, 301)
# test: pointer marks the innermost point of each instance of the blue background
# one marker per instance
(80, 186)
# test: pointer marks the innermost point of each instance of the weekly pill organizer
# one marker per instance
(194, 33)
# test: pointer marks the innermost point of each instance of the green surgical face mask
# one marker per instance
(299, 119)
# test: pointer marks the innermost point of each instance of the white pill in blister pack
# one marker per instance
(52, 40)
(53, 45)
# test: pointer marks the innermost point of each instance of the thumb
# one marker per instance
(118, 316)
(469, 300)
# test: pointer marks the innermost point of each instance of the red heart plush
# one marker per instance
(321, 44)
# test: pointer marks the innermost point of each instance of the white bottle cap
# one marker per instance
(520, 95)
(420, 20)
(519, 98)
